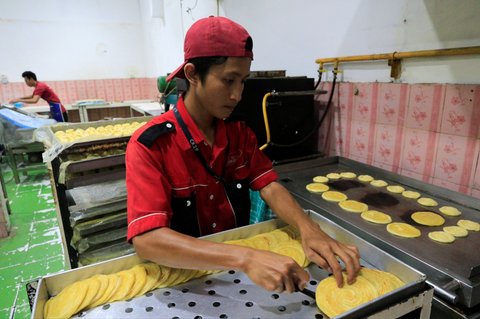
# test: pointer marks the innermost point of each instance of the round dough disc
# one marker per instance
(395, 189)
(403, 230)
(456, 231)
(348, 174)
(334, 196)
(425, 201)
(317, 188)
(320, 179)
(376, 217)
(333, 176)
(450, 211)
(365, 178)
(411, 194)
(333, 300)
(428, 219)
(378, 183)
(441, 237)
(469, 224)
(353, 206)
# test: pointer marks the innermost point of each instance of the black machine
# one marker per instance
(291, 117)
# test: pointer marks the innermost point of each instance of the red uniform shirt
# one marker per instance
(169, 168)
(46, 93)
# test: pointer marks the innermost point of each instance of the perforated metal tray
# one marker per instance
(231, 294)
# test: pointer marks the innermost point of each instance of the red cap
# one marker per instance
(214, 36)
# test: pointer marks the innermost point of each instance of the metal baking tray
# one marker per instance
(454, 269)
(231, 294)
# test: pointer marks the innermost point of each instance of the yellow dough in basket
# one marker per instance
(456, 231)
(334, 176)
(450, 211)
(334, 196)
(140, 279)
(293, 249)
(317, 188)
(395, 189)
(428, 219)
(441, 237)
(403, 230)
(348, 175)
(378, 183)
(411, 194)
(469, 224)
(425, 201)
(333, 300)
(101, 291)
(353, 206)
(113, 283)
(365, 178)
(376, 217)
(320, 179)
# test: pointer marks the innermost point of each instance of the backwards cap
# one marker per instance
(214, 36)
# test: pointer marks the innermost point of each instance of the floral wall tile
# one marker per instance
(365, 102)
(419, 150)
(425, 106)
(461, 112)
(475, 192)
(385, 139)
(360, 139)
(456, 159)
(392, 103)
(445, 184)
(415, 175)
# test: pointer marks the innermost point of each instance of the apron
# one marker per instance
(56, 111)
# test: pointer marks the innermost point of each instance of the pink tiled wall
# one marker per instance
(430, 132)
(111, 90)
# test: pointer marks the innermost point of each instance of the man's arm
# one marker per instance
(319, 247)
(32, 99)
(271, 271)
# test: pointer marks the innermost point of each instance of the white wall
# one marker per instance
(90, 39)
(292, 34)
(67, 39)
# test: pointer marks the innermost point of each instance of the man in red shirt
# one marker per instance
(42, 90)
(189, 172)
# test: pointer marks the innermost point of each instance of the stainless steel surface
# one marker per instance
(441, 262)
(235, 294)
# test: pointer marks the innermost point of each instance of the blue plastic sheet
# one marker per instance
(24, 121)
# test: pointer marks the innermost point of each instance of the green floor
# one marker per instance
(34, 247)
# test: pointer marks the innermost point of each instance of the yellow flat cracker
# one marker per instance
(333, 176)
(383, 284)
(126, 281)
(411, 194)
(66, 303)
(140, 275)
(294, 250)
(428, 219)
(365, 178)
(469, 224)
(441, 237)
(113, 282)
(425, 201)
(376, 217)
(395, 189)
(403, 230)
(334, 196)
(320, 179)
(378, 183)
(333, 300)
(456, 231)
(348, 175)
(353, 206)
(102, 289)
(317, 188)
(450, 211)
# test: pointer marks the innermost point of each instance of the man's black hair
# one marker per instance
(203, 65)
(29, 75)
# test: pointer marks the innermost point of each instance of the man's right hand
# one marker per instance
(274, 272)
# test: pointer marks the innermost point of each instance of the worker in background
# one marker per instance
(42, 90)
(168, 93)
(189, 174)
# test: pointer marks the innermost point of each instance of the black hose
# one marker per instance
(317, 126)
